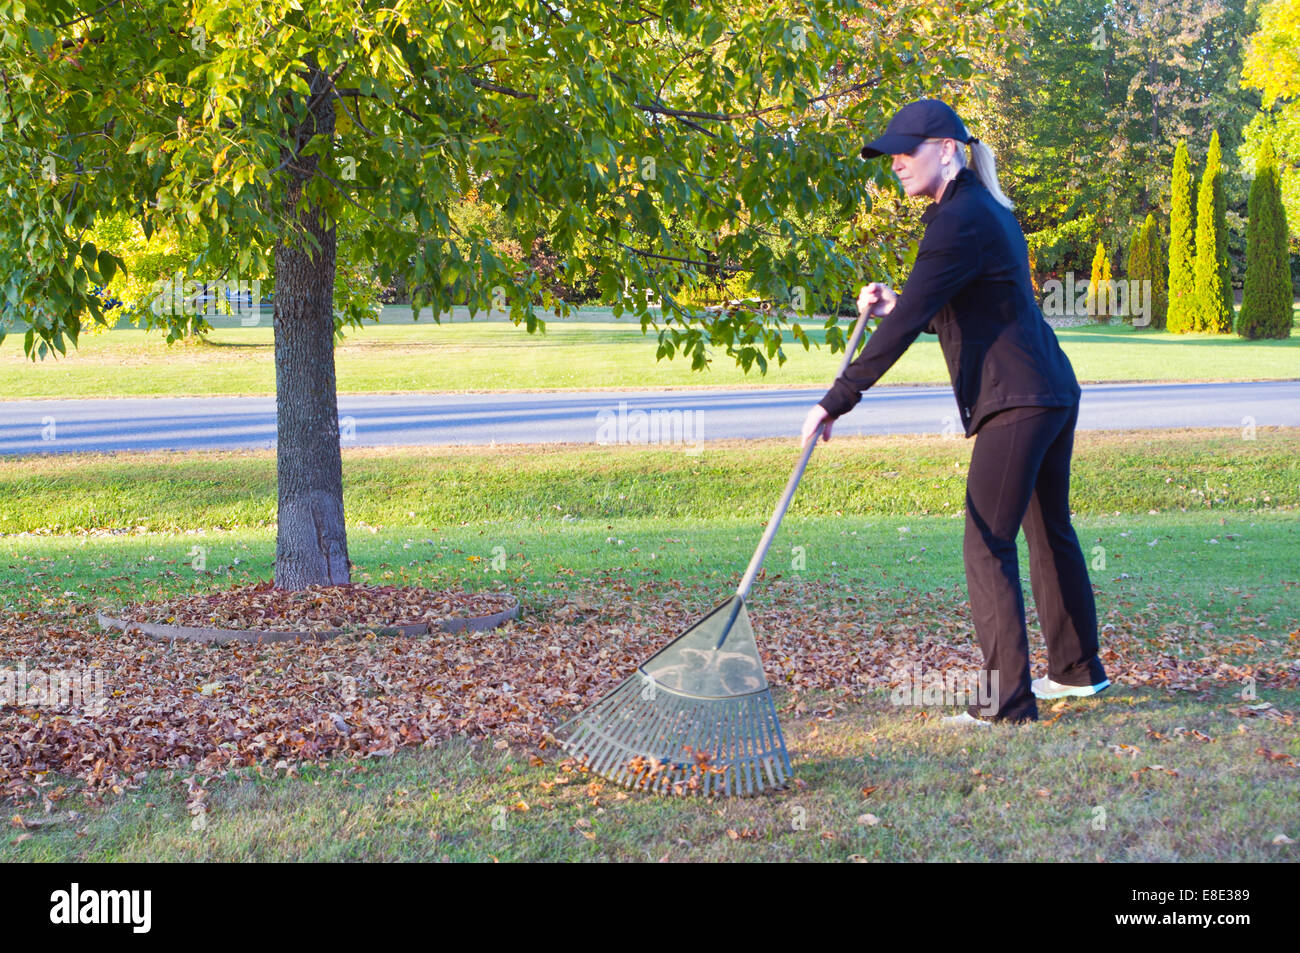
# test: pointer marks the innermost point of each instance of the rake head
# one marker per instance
(694, 718)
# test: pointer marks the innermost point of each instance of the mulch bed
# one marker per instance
(317, 608)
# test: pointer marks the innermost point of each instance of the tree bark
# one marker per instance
(311, 538)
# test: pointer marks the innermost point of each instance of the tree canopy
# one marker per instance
(589, 127)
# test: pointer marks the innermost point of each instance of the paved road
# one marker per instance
(686, 417)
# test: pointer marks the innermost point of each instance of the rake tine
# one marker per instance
(731, 780)
(769, 757)
(747, 744)
(738, 746)
(783, 766)
(712, 738)
(754, 746)
(728, 745)
(742, 748)
(757, 743)
(769, 747)
(784, 763)
(778, 746)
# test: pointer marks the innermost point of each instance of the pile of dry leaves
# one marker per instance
(317, 608)
(205, 709)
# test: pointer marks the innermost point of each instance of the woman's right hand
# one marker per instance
(876, 299)
(816, 414)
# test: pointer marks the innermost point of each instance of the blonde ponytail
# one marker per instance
(985, 168)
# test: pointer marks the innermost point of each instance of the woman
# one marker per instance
(1015, 388)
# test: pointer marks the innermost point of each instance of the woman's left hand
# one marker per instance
(815, 416)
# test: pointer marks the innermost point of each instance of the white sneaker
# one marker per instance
(1047, 689)
(964, 720)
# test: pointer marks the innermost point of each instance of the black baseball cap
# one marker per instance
(913, 124)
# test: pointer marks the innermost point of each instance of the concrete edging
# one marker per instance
(189, 633)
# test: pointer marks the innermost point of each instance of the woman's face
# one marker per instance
(921, 172)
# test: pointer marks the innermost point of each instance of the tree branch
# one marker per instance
(87, 16)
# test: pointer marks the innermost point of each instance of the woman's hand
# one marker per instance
(815, 416)
(876, 299)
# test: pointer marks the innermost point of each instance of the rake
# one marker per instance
(697, 716)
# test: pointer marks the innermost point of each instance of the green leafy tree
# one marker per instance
(1182, 250)
(1272, 66)
(1064, 247)
(162, 257)
(1212, 296)
(1090, 119)
(298, 139)
(1266, 303)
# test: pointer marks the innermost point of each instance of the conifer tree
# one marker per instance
(1212, 285)
(1181, 249)
(1159, 283)
(1266, 297)
(1138, 267)
(1096, 300)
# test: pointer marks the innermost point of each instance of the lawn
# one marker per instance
(1192, 537)
(589, 350)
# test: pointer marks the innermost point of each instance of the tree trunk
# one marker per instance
(311, 539)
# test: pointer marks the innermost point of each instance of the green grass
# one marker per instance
(1201, 469)
(1216, 564)
(870, 518)
(590, 350)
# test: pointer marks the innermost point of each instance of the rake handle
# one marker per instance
(783, 504)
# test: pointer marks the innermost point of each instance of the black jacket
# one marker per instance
(970, 285)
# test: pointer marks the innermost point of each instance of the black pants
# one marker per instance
(1020, 472)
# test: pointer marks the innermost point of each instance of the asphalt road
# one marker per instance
(597, 417)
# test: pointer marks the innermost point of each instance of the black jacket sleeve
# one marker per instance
(946, 260)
